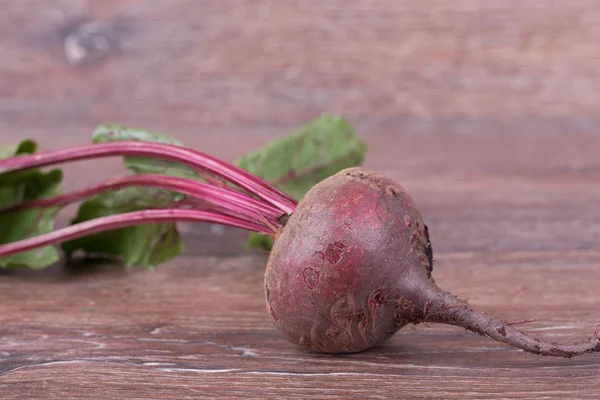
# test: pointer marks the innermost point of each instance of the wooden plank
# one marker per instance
(199, 327)
(485, 111)
(225, 62)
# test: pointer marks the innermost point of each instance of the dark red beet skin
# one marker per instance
(330, 280)
(352, 265)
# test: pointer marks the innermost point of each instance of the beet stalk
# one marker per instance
(227, 200)
(226, 205)
(125, 220)
(192, 158)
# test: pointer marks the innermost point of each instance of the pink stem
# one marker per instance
(228, 199)
(192, 158)
(124, 220)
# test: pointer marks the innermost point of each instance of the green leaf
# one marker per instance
(296, 162)
(26, 146)
(19, 187)
(141, 165)
(259, 241)
(146, 245)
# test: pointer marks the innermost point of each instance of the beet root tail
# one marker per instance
(445, 308)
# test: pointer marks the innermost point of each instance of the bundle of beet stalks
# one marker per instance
(351, 262)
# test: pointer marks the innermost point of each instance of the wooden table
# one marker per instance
(487, 112)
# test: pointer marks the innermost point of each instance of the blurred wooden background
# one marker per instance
(486, 111)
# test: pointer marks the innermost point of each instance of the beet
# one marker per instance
(349, 267)
(353, 264)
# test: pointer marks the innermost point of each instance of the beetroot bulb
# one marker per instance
(353, 264)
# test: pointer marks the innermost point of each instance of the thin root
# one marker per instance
(525, 321)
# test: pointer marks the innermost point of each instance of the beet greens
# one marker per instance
(167, 175)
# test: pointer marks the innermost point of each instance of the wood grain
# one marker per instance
(486, 111)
